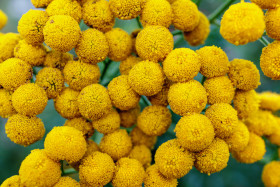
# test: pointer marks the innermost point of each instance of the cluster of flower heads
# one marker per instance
(149, 67)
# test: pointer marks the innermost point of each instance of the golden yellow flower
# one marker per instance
(161, 98)
(108, 123)
(127, 64)
(272, 23)
(41, 3)
(6, 106)
(7, 44)
(3, 19)
(13, 181)
(138, 137)
(55, 59)
(126, 9)
(269, 100)
(91, 148)
(67, 181)
(129, 117)
(274, 138)
(82, 125)
(141, 153)
(270, 174)
(267, 4)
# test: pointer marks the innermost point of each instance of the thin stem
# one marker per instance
(176, 32)
(139, 23)
(203, 80)
(264, 41)
(61, 167)
(219, 10)
(146, 101)
(107, 64)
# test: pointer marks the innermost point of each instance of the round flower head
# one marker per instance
(214, 158)
(97, 14)
(78, 74)
(55, 59)
(65, 7)
(91, 148)
(33, 55)
(127, 64)
(6, 106)
(214, 61)
(185, 15)
(274, 138)
(24, 130)
(154, 43)
(161, 97)
(82, 125)
(133, 36)
(120, 44)
(7, 44)
(181, 65)
(156, 12)
(66, 104)
(41, 3)
(187, 97)
(224, 119)
(31, 24)
(172, 160)
(219, 90)
(266, 4)
(272, 23)
(3, 19)
(253, 152)
(138, 137)
(154, 120)
(200, 33)
(194, 132)
(108, 123)
(171, 1)
(269, 100)
(129, 117)
(270, 174)
(143, 154)
(270, 63)
(66, 181)
(92, 47)
(65, 143)
(94, 102)
(30, 99)
(13, 181)
(129, 172)
(97, 169)
(246, 103)
(126, 9)
(37, 169)
(239, 140)
(146, 78)
(116, 144)
(242, 23)
(62, 33)
(121, 94)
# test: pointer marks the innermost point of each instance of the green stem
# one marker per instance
(146, 101)
(139, 23)
(264, 41)
(176, 32)
(203, 80)
(219, 10)
(107, 64)
(61, 167)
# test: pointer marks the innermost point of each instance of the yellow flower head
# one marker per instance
(219, 90)
(181, 65)
(154, 120)
(6, 106)
(141, 153)
(3, 19)
(214, 61)
(24, 130)
(171, 1)
(37, 169)
(31, 24)
(129, 117)
(41, 3)
(274, 138)
(62, 33)
(185, 15)
(91, 148)
(66, 181)
(214, 158)
(272, 23)
(30, 99)
(138, 137)
(156, 12)
(127, 64)
(270, 174)
(154, 43)
(126, 9)
(116, 144)
(94, 102)
(55, 59)
(187, 97)
(161, 98)
(13, 181)
(7, 44)
(200, 33)
(65, 143)
(253, 152)
(82, 125)
(242, 23)
(267, 4)
(108, 123)
(172, 160)
(129, 172)
(195, 132)
(269, 100)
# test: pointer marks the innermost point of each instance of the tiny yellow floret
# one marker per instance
(141, 153)
(55, 59)
(82, 125)
(41, 3)
(161, 98)
(8, 43)
(6, 105)
(138, 137)
(269, 100)
(126, 9)
(129, 117)
(67, 181)
(271, 175)
(267, 4)
(108, 123)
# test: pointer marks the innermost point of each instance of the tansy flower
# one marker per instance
(3, 19)
(274, 138)
(82, 125)
(127, 64)
(55, 59)
(129, 117)
(270, 174)
(41, 3)
(7, 44)
(91, 148)
(126, 9)
(6, 106)
(66, 181)
(108, 123)
(269, 100)
(138, 137)
(141, 153)
(267, 4)
(272, 23)
(161, 98)
(13, 181)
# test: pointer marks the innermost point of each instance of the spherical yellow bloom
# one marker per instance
(126, 9)
(24, 130)
(94, 102)
(121, 94)
(267, 4)
(242, 23)
(91, 148)
(272, 23)
(82, 125)
(127, 64)
(181, 65)
(200, 33)
(129, 117)
(270, 174)
(214, 61)
(161, 98)
(92, 47)
(219, 90)
(253, 152)
(224, 119)
(138, 137)
(37, 169)
(194, 132)
(154, 120)
(120, 44)
(246, 103)
(65, 143)
(65, 7)
(116, 144)
(41, 3)
(66, 104)
(97, 14)
(3, 19)
(108, 123)
(55, 59)
(13, 181)
(187, 97)
(274, 138)
(154, 178)
(31, 24)
(269, 100)
(185, 15)
(7, 44)
(67, 181)
(146, 78)
(172, 160)
(97, 169)
(62, 33)
(143, 154)
(214, 158)
(239, 140)
(156, 12)
(154, 43)
(133, 36)
(129, 172)
(171, 1)
(6, 106)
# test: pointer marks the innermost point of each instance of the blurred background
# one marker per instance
(236, 174)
